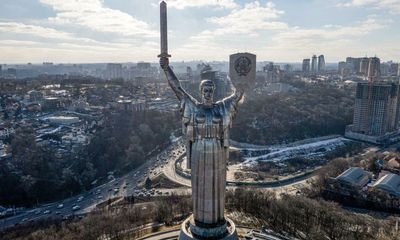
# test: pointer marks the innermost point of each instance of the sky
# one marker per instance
(92, 31)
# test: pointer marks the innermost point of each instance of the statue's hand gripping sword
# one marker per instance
(163, 30)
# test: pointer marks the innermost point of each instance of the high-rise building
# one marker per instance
(342, 67)
(272, 73)
(321, 63)
(374, 69)
(353, 64)
(364, 64)
(376, 108)
(306, 65)
(113, 71)
(314, 64)
(393, 69)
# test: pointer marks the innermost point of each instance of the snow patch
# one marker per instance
(281, 153)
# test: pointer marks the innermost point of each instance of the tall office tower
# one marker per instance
(321, 63)
(376, 109)
(364, 63)
(314, 64)
(306, 65)
(374, 69)
(273, 73)
(353, 64)
(113, 71)
(342, 67)
(393, 69)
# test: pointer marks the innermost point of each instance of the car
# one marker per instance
(37, 212)
(58, 213)
(98, 191)
(76, 208)
(24, 220)
(80, 199)
(60, 206)
(99, 197)
(47, 212)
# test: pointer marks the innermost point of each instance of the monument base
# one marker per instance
(190, 231)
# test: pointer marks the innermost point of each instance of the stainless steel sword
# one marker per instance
(163, 30)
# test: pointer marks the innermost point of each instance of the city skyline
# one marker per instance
(117, 31)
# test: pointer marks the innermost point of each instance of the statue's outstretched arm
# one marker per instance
(173, 80)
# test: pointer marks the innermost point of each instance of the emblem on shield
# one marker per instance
(243, 66)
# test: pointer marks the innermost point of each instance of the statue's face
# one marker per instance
(208, 92)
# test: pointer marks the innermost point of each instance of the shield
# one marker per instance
(242, 69)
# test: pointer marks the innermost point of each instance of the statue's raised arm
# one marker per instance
(173, 80)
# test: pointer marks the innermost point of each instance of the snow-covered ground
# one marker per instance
(310, 148)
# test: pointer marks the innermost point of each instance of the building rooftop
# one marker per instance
(355, 176)
(389, 183)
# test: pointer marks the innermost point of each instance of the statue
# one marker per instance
(205, 125)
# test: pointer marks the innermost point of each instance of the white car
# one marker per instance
(60, 206)
(76, 208)
(80, 199)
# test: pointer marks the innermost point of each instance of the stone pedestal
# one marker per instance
(192, 231)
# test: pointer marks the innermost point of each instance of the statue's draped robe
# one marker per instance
(207, 131)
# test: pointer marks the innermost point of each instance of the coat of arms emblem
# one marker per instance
(243, 66)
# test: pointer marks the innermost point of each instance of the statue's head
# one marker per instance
(207, 88)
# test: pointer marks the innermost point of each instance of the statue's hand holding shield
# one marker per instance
(242, 70)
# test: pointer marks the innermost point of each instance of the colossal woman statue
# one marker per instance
(206, 126)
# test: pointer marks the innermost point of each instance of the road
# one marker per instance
(126, 185)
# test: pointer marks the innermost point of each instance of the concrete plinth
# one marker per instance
(191, 231)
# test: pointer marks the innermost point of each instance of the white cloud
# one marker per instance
(332, 40)
(392, 5)
(234, 32)
(181, 4)
(250, 19)
(257, 28)
(51, 43)
(47, 33)
(245, 22)
(334, 32)
(93, 15)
